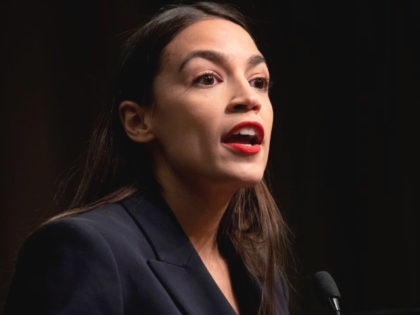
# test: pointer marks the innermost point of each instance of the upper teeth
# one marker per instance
(246, 132)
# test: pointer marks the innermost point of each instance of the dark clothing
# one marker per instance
(130, 257)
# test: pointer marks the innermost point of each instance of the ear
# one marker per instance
(136, 121)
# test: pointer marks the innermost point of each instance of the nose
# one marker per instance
(244, 98)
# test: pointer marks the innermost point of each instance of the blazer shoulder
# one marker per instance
(63, 266)
(77, 236)
(109, 226)
(78, 264)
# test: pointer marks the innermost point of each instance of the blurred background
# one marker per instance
(344, 159)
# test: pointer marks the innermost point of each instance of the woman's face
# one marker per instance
(212, 116)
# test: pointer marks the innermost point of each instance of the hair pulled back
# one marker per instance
(115, 166)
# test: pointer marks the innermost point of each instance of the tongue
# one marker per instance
(243, 139)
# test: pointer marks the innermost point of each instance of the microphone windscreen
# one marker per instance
(325, 286)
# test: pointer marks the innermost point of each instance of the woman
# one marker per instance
(172, 215)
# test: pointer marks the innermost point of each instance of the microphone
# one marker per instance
(327, 290)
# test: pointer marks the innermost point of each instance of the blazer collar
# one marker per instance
(177, 265)
(160, 226)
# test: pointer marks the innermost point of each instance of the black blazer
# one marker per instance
(126, 258)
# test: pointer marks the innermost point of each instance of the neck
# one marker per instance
(199, 211)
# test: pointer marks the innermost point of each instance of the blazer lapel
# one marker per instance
(177, 265)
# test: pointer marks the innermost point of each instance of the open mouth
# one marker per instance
(245, 137)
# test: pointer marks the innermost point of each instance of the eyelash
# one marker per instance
(200, 79)
(265, 82)
(211, 75)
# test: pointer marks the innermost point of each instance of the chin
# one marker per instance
(232, 177)
(248, 180)
(251, 185)
(234, 182)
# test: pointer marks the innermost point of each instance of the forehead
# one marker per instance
(211, 34)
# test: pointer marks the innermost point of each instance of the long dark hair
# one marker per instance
(115, 166)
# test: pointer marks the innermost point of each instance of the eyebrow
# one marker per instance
(218, 57)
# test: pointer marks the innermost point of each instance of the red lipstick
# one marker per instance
(245, 137)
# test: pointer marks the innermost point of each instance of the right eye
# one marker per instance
(207, 79)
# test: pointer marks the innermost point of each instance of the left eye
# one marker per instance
(259, 83)
(206, 79)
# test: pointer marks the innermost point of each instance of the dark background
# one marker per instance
(344, 162)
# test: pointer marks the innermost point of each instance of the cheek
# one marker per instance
(191, 126)
(182, 110)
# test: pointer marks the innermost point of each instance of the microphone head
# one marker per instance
(325, 286)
